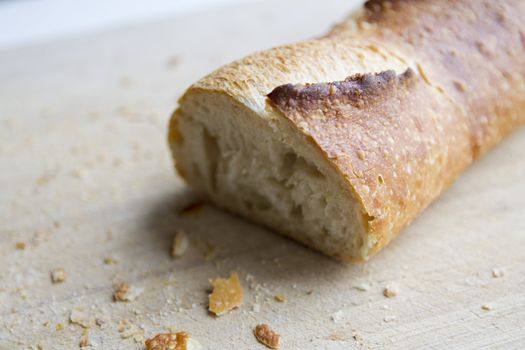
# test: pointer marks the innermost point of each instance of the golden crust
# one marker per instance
(399, 140)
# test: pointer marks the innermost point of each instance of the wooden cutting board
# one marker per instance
(86, 183)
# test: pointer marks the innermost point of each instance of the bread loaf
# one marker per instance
(340, 142)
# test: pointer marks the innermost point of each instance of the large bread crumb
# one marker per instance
(267, 336)
(58, 275)
(227, 294)
(125, 292)
(391, 291)
(172, 341)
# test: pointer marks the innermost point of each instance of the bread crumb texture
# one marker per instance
(227, 294)
(267, 336)
(169, 341)
(125, 292)
(58, 275)
(486, 307)
(79, 316)
(84, 340)
(390, 291)
(280, 298)
(498, 272)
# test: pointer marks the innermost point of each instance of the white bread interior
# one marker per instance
(265, 170)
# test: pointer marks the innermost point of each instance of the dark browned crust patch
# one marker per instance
(357, 90)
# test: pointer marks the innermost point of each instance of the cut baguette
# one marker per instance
(342, 141)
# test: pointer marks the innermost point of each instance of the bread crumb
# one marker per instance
(125, 292)
(362, 287)
(361, 154)
(280, 298)
(84, 340)
(227, 294)
(39, 346)
(59, 327)
(180, 244)
(459, 86)
(171, 341)
(265, 335)
(80, 317)
(391, 291)
(58, 275)
(498, 272)
(20, 245)
(486, 307)
(101, 322)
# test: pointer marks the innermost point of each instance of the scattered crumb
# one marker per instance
(39, 346)
(58, 275)
(180, 244)
(101, 322)
(84, 340)
(109, 260)
(172, 341)
(80, 317)
(389, 319)
(20, 245)
(123, 325)
(267, 336)
(498, 272)
(280, 298)
(125, 292)
(391, 291)
(227, 294)
(361, 154)
(362, 287)
(309, 292)
(337, 316)
(192, 208)
(459, 86)
(486, 307)
(59, 327)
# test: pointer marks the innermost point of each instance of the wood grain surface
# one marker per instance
(85, 175)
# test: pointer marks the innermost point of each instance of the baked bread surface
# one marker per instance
(357, 132)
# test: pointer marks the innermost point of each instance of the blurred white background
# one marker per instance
(25, 22)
